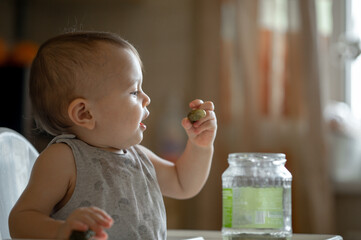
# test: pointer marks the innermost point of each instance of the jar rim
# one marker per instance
(257, 157)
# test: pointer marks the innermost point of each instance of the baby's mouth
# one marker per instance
(142, 125)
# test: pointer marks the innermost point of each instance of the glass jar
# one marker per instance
(256, 196)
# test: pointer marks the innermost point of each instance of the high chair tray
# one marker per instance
(216, 235)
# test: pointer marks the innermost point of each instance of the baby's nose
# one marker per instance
(146, 100)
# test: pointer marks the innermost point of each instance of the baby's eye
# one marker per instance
(135, 93)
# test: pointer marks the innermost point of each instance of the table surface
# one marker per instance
(216, 235)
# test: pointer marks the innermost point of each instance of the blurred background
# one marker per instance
(284, 75)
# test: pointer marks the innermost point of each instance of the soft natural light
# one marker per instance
(356, 65)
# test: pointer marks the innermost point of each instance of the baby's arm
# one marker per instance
(53, 176)
(186, 177)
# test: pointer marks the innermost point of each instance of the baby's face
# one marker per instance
(120, 112)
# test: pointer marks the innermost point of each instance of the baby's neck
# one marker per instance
(93, 140)
(113, 150)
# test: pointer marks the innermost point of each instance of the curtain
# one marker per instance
(271, 96)
(258, 60)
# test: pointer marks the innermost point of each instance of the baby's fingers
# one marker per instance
(208, 123)
(210, 116)
(102, 217)
(208, 106)
(92, 218)
(96, 219)
(101, 236)
(78, 226)
(197, 103)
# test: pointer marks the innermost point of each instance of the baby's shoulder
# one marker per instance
(53, 173)
(57, 150)
(57, 155)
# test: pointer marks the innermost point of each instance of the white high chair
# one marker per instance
(17, 157)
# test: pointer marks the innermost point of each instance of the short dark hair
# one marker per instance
(54, 74)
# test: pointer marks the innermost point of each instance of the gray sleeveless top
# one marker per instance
(124, 185)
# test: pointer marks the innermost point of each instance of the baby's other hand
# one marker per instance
(202, 132)
(86, 218)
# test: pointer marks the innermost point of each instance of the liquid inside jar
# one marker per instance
(256, 197)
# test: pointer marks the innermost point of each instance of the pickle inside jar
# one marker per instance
(196, 115)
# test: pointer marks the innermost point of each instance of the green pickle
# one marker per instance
(79, 235)
(196, 115)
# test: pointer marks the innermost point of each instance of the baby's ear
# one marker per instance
(79, 113)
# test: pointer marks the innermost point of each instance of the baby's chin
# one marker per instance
(135, 142)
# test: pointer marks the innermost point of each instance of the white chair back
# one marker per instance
(17, 157)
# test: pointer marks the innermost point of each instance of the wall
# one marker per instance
(348, 210)
(162, 31)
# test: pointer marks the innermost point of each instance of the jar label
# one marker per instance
(249, 207)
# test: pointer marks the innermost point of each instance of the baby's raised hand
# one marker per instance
(202, 132)
(83, 219)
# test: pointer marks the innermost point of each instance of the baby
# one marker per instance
(86, 90)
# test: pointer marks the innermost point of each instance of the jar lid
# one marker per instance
(257, 157)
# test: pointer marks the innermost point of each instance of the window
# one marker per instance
(340, 27)
(354, 26)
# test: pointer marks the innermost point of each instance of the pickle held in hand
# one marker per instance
(79, 235)
(196, 115)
